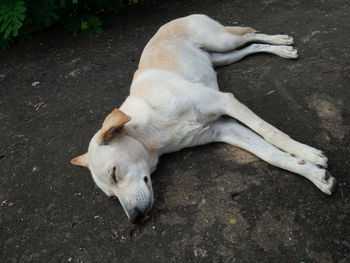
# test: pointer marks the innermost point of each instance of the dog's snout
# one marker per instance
(136, 214)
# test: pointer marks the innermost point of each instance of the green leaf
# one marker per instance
(62, 3)
(20, 18)
(99, 30)
(233, 221)
(84, 25)
(44, 13)
(94, 21)
(12, 15)
(5, 43)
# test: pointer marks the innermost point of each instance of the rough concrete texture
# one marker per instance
(213, 203)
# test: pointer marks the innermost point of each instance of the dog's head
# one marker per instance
(118, 164)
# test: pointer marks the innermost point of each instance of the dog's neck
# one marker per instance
(151, 157)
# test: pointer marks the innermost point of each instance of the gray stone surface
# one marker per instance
(213, 203)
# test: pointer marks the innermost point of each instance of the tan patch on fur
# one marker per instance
(237, 30)
(160, 52)
(173, 30)
(115, 119)
(159, 56)
(139, 89)
(329, 111)
(81, 160)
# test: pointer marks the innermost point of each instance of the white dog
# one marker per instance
(175, 102)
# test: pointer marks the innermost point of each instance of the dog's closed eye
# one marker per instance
(114, 176)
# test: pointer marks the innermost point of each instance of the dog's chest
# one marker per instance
(166, 135)
(165, 111)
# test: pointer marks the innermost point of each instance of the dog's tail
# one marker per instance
(238, 30)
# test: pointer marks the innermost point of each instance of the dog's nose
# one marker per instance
(136, 214)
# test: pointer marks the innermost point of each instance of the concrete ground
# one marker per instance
(213, 203)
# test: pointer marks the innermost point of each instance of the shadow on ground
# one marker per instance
(213, 203)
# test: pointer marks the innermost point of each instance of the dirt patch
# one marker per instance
(172, 219)
(231, 153)
(181, 192)
(270, 234)
(329, 112)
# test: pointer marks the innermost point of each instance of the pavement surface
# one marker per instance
(214, 203)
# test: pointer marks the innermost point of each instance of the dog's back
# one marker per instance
(180, 47)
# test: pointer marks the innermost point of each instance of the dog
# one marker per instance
(175, 103)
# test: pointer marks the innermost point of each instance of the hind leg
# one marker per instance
(252, 35)
(225, 41)
(270, 39)
(214, 37)
(221, 59)
(238, 30)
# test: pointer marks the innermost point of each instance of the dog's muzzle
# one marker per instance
(136, 214)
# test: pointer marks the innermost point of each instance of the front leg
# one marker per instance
(231, 132)
(271, 134)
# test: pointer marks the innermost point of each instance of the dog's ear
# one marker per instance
(81, 160)
(113, 126)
